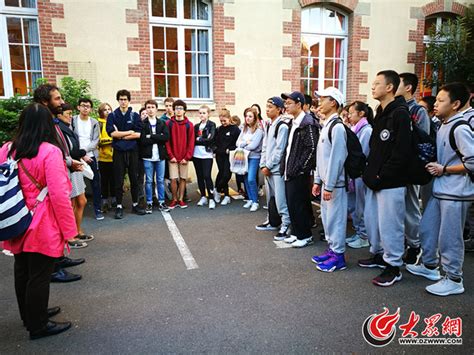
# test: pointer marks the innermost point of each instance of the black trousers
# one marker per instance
(32, 278)
(107, 179)
(203, 172)
(224, 175)
(126, 161)
(298, 198)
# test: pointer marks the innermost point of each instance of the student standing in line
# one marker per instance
(251, 139)
(180, 148)
(124, 126)
(419, 117)
(330, 180)
(169, 112)
(153, 137)
(274, 144)
(105, 160)
(386, 179)
(441, 228)
(298, 161)
(360, 114)
(226, 138)
(88, 131)
(53, 223)
(203, 157)
(239, 179)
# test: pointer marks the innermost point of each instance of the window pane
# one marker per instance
(173, 86)
(429, 23)
(203, 64)
(314, 73)
(28, 3)
(157, 8)
(338, 69)
(203, 40)
(158, 38)
(19, 83)
(328, 83)
(172, 38)
(34, 79)
(315, 50)
(187, 8)
(17, 58)
(314, 87)
(30, 31)
(204, 87)
(329, 69)
(190, 40)
(33, 58)
(172, 62)
(170, 6)
(190, 63)
(339, 50)
(159, 61)
(2, 88)
(160, 86)
(196, 10)
(14, 30)
(329, 47)
(191, 86)
(12, 3)
(304, 67)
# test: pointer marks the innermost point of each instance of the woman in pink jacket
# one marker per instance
(53, 220)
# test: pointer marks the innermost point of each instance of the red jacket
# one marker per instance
(181, 143)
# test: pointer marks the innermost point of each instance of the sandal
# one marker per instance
(77, 244)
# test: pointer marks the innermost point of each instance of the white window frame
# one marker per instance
(322, 48)
(17, 12)
(182, 24)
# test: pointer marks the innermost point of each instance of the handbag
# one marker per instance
(239, 163)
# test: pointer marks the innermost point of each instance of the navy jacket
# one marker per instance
(124, 122)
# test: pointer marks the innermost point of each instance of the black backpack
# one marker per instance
(356, 160)
(423, 152)
(277, 128)
(452, 143)
(433, 126)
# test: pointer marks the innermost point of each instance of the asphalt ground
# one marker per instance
(246, 296)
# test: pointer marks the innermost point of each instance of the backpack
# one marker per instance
(356, 161)
(433, 126)
(423, 152)
(452, 143)
(277, 128)
(15, 217)
(188, 126)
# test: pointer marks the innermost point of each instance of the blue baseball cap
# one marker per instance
(296, 96)
(277, 101)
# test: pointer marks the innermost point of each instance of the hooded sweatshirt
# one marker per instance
(390, 147)
(181, 143)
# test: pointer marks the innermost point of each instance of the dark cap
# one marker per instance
(296, 96)
(277, 101)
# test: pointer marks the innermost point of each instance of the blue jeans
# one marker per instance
(250, 179)
(152, 169)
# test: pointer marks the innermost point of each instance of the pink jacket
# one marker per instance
(53, 222)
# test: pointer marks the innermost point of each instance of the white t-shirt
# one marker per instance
(155, 154)
(84, 132)
(200, 151)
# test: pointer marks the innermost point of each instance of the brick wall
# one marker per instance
(49, 40)
(355, 56)
(222, 98)
(141, 44)
(294, 51)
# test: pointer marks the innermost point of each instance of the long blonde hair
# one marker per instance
(255, 123)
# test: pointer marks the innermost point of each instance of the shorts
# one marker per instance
(178, 171)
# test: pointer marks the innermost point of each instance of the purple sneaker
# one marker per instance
(323, 257)
(335, 262)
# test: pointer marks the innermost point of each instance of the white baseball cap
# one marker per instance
(333, 92)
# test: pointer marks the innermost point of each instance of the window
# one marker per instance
(20, 57)
(323, 49)
(427, 71)
(181, 48)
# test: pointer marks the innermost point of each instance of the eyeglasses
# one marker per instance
(85, 106)
(179, 108)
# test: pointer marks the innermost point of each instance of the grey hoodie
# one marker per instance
(272, 149)
(331, 156)
(95, 133)
(455, 186)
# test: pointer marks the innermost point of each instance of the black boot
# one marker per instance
(51, 328)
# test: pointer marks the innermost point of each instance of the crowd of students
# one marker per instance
(301, 150)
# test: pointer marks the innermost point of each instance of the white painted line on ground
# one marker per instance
(282, 244)
(180, 243)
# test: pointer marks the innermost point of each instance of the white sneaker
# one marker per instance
(446, 287)
(359, 243)
(212, 204)
(301, 243)
(248, 204)
(7, 252)
(217, 196)
(225, 201)
(202, 201)
(352, 238)
(422, 270)
(254, 207)
(290, 239)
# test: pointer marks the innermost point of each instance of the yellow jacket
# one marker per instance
(105, 143)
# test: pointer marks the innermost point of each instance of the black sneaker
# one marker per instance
(265, 226)
(138, 210)
(412, 255)
(388, 277)
(118, 213)
(373, 261)
(163, 207)
(149, 208)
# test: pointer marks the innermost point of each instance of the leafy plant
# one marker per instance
(9, 112)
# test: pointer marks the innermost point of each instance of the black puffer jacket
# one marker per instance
(390, 147)
(207, 136)
(302, 158)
